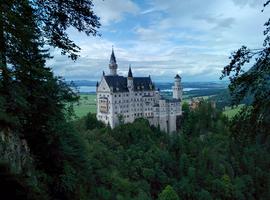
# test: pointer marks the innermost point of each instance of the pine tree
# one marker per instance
(168, 194)
(33, 102)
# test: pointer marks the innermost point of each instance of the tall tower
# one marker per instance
(113, 65)
(177, 90)
(130, 80)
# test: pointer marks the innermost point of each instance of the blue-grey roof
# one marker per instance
(115, 82)
(130, 72)
(119, 83)
(113, 59)
(174, 100)
(142, 83)
(177, 76)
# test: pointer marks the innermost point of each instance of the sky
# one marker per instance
(161, 38)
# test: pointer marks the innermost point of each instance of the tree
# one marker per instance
(254, 82)
(33, 101)
(168, 194)
(250, 129)
(48, 21)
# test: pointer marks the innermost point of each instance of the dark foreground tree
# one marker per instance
(255, 83)
(250, 129)
(32, 100)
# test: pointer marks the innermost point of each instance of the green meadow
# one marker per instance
(86, 104)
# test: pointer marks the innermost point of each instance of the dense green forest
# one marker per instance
(47, 155)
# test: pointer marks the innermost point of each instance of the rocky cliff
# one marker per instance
(15, 152)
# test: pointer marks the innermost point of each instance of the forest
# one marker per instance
(46, 154)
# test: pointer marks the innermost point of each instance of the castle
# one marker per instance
(123, 99)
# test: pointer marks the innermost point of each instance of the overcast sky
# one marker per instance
(163, 37)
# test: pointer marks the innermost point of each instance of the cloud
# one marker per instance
(218, 20)
(251, 3)
(111, 11)
(162, 38)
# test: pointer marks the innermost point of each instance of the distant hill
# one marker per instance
(82, 83)
(164, 85)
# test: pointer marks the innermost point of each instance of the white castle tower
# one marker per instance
(177, 91)
(113, 65)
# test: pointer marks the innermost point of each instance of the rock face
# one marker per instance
(15, 152)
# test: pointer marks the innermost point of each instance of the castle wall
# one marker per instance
(172, 123)
(136, 104)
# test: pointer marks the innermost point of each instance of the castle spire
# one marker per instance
(113, 59)
(130, 80)
(130, 72)
(113, 65)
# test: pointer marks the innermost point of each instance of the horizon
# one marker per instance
(162, 81)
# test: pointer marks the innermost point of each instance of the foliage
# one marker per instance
(254, 82)
(56, 16)
(136, 161)
(33, 101)
(249, 142)
(168, 194)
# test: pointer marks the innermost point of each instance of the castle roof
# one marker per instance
(130, 72)
(115, 82)
(112, 59)
(177, 76)
(119, 83)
